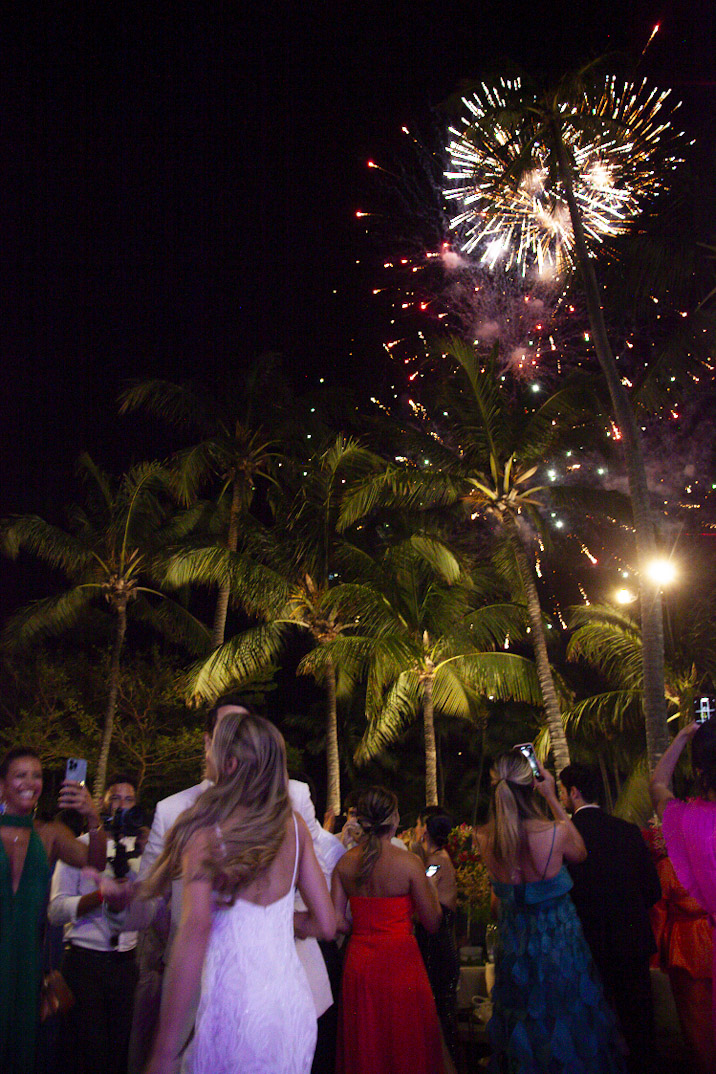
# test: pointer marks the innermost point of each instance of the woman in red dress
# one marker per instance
(388, 1023)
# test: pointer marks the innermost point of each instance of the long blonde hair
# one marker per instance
(512, 803)
(246, 811)
(376, 807)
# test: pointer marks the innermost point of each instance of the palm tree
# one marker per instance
(486, 455)
(546, 125)
(289, 578)
(232, 454)
(608, 640)
(109, 553)
(427, 650)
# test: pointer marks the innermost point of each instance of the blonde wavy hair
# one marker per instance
(245, 812)
(512, 802)
(375, 810)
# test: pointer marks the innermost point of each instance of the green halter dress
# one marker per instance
(21, 920)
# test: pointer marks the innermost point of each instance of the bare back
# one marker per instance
(396, 872)
(539, 858)
(391, 875)
(276, 881)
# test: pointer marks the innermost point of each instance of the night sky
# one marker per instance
(179, 188)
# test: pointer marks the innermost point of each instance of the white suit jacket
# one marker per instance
(168, 811)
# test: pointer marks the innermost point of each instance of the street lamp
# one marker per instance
(661, 571)
(624, 596)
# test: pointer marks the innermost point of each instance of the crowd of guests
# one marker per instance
(239, 934)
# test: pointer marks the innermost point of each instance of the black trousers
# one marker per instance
(96, 1032)
(628, 989)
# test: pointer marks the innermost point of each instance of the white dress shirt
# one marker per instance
(93, 930)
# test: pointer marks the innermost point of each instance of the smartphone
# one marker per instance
(431, 870)
(704, 709)
(76, 769)
(528, 751)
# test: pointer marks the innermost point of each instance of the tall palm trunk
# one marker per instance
(232, 541)
(560, 749)
(333, 770)
(431, 756)
(652, 627)
(120, 605)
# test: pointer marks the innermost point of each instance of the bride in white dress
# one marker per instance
(241, 852)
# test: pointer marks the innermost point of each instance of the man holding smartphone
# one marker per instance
(98, 965)
(613, 892)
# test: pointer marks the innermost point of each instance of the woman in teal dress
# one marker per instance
(28, 850)
(549, 1012)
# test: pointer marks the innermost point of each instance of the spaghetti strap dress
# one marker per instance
(549, 1011)
(388, 1023)
(21, 922)
(256, 1012)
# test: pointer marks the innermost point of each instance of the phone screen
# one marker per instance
(431, 870)
(704, 709)
(528, 751)
(76, 769)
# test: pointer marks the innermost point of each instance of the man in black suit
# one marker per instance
(613, 891)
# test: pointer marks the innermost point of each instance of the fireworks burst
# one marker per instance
(613, 142)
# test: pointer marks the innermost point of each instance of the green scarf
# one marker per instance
(21, 919)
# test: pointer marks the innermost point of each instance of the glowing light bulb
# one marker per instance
(661, 571)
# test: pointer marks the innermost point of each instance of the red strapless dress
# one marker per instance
(387, 1022)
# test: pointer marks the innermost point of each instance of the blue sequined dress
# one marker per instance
(549, 1012)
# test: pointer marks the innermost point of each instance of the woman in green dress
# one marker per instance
(28, 851)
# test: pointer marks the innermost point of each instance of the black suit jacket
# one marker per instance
(613, 891)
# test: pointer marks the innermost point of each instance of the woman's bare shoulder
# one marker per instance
(405, 862)
(52, 831)
(348, 864)
(199, 844)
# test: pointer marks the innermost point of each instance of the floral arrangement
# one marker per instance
(473, 884)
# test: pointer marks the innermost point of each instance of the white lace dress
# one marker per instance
(256, 1014)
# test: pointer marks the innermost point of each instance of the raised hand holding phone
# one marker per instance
(528, 751)
(76, 770)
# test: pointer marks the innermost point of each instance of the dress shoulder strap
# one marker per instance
(549, 856)
(295, 862)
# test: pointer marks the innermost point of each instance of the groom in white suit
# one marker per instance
(327, 847)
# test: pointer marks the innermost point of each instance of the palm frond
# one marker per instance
(348, 655)
(237, 662)
(257, 588)
(494, 623)
(48, 617)
(174, 622)
(634, 802)
(176, 404)
(398, 710)
(86, 466)
(489, 402)
(611, 646)
(397, 490)
(505, 676)
(450, 695)
(49, 543)
(619, 710)
(437, 555)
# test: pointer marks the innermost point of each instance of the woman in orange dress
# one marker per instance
(684, 937)
(387, 1021)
